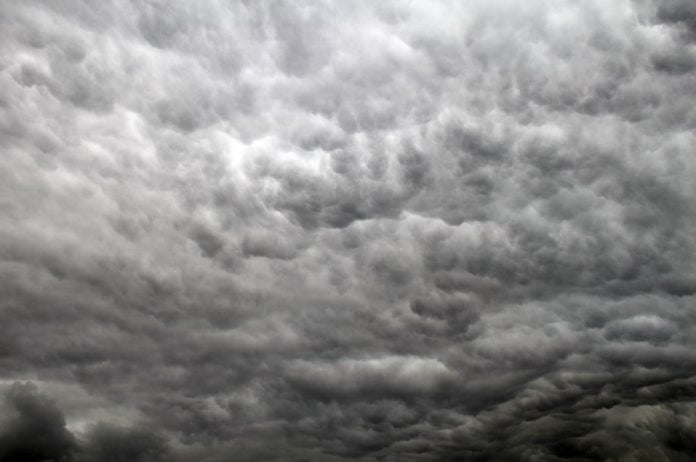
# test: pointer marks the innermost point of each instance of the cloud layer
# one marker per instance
(402, 231)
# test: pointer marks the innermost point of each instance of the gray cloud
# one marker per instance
(37, 431)
(321, 231)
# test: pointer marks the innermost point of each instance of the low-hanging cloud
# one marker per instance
(419, 231)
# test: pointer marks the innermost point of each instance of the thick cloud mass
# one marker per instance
(328, 230)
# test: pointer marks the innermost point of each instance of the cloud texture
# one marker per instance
(326, 231)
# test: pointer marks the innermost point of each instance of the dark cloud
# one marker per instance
(117, 444)
(679, 12)
(37, 430)
(399, 231)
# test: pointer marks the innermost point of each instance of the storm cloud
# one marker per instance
(329, 231)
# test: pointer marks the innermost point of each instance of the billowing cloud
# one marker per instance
(326, 230)
(36, 431)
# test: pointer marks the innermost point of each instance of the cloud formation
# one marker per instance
(402, 231)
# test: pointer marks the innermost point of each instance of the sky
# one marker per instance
(399, 231)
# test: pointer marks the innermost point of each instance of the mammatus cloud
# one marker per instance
(402, 231)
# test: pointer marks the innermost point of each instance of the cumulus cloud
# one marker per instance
(325, 231)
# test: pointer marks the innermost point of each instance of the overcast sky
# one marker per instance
(347, 230)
